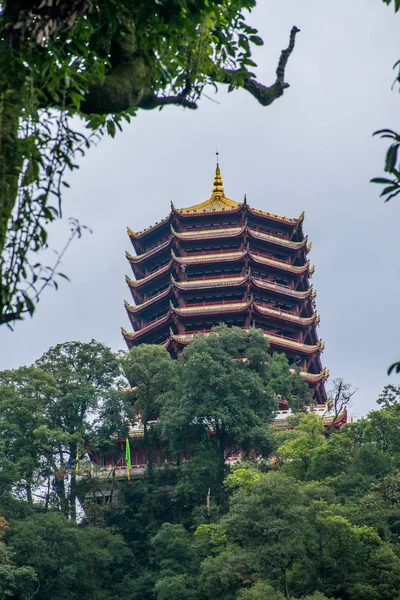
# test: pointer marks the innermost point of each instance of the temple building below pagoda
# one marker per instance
(224, 261)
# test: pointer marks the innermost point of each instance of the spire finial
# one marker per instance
(218, 189)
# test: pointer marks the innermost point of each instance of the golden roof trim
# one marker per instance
(208, 233)
(277, 263)
(131, 335)
(138, 282)
(152, 300)
(282, 289)
(279, 218)
(135, 258)
(232, 281)
(273, 239)
(207, 309)
(224, 281)
(198, 258)
(280, 314)
(142, 232)
(313, 377)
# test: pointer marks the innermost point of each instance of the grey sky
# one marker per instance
(312, 150)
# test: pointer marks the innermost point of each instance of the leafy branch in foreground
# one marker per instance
(101, 62)
(392, 165)
(394, 368)
(27, 295)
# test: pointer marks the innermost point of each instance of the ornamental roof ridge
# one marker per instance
(277, 263)
(204, 283)
(281, 288)
(276, 240)
(208, 233)
(139, 257)
(139, 282)
(263, 213)
(142, 232)
(134, 334)
(152, 300)
(313, 377)
(211, 257)
(285, 315)
(210, 308)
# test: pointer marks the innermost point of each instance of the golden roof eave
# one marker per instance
(138, 282)
(281, 265)
(208, 233)
(210, 309)
(285, 316)
(205, 283)
(143, 232)
(132, 335)
(140, 257)
(134, 308)
(211, 257)
(273, 239)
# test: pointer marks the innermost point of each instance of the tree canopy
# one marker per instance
(305, 514)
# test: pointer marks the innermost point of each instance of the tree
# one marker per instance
(150, 371)
(23, 395)
(103, 62)
(21, 582)
(176, 558)
(50, 412)
(297, 453)
(71, 562)
(85, 375)
(223, 402)
(266, 530)
(340, 394)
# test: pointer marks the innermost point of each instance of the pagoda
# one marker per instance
(224, 261)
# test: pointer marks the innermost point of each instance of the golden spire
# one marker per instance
(218, 189)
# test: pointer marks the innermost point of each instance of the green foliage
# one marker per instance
(260, 591)
(48, 413)
(71, 563)
(320, 522)
(101, 63)
(396, 4)
(223, 402)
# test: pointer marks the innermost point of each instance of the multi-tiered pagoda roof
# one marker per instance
(224, 261)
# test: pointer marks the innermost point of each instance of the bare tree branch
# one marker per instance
(341, 395)
(268, 94)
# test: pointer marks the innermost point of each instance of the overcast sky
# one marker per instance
(311, 150)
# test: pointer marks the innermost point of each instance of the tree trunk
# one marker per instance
(10, 161)
(221, 447)
(29, 497)
(72, 491)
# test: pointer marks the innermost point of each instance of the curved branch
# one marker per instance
(266, 95)
(179, 100)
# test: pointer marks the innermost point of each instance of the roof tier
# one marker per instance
(225, 307)
(221, 284)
